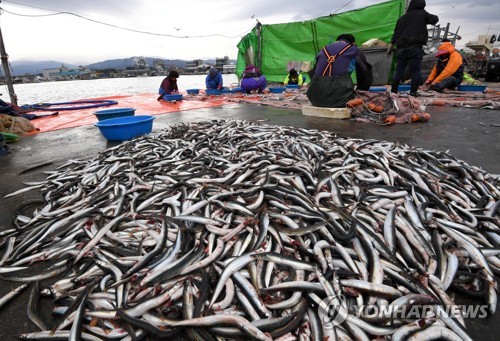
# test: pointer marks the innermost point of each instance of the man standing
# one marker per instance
(331, 85)
(448, 72)
(410, 34)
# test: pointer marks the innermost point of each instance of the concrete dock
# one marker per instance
(468, 134)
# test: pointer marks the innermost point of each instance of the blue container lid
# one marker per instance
(114, 113)
(378, 89)
(277, 90)
(480, 88)
(125, 128)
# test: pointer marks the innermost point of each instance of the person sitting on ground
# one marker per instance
(294, 78)
(214, 79)
(448, 72)
(252, 79)
(332, 86)
(169, 85)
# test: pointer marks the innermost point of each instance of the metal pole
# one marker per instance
(259, 48)
(5, 65)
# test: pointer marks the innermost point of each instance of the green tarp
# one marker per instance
(280, 45)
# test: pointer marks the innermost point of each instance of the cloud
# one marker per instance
(188, 29)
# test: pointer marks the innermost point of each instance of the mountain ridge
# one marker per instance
(30, 67)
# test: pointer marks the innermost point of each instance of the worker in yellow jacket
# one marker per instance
(294, 78)
(448, 72)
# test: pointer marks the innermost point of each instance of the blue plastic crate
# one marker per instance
(480, 88)
(404, 87)
(214, 92)
(114, 113)
(125, 128)
(193, 91)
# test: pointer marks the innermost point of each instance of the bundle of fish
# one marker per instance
(238, 230)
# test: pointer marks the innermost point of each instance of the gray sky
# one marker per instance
(185, 29)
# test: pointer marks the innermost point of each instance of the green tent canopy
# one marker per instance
(275, 48)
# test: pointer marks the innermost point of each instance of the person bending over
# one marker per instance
(214, 79)
(169, 84)
(294, 78)
(252, 79)
(448, 72)
(332, 86)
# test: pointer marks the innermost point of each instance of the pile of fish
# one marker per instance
(241, 230)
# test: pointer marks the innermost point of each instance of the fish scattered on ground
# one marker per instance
(233, 229)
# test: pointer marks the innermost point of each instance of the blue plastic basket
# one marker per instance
(277, 90)
(193, 91)
(479, 88)
(114, 113)
(226, 91)
(125, 128)
(213, 92)
(176, 97)
(292, 86)
(378, 89)
(404, 87)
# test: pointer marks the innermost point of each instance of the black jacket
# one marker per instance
(411, 28)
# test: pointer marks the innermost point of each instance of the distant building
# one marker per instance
(229, 68)
(220, 62)
(194, 66)
(64, 72)
(483, 43)
(158, 65)
(140, 63)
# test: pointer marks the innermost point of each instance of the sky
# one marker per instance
(81, 32)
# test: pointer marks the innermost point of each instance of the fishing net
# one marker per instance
(386, 108)
(15, 125)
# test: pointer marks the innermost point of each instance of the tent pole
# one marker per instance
(259, 48)
(5, 65)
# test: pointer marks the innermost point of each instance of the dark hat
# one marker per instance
(212, 72)
(173, 74)
(347, 37)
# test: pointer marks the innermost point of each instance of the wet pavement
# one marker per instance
(466, 133)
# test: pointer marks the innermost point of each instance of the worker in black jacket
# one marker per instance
(410, 34)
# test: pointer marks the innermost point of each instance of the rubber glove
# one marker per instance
(390, 48)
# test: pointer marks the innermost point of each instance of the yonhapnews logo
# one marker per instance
(334, 310)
